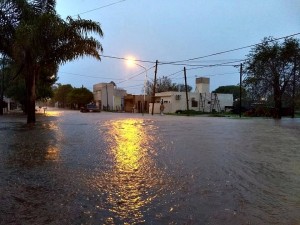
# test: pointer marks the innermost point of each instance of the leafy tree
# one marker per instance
(17, 91)
(271, 70)
(11, 84)
(37, 39)
(14, 85)
(48, 77)
(181, 87)
(61, 94)
(165, 84)
(231, 89)
(148, 87)
(80, 97)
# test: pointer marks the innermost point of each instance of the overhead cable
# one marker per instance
(200, 57)
(127, 59)
(236, 49)
(135, 75)
(101, 7)
(81, 75)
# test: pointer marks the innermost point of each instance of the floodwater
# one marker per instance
(114, 168)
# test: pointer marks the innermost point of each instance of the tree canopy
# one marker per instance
(80, 97)
(68, 96)
(165, 84)
(61, 94)
(231, 89)
(37, 40)
(272, 71)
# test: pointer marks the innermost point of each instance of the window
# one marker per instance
(194, 103)
(177, 97)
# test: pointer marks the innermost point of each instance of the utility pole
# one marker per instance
(146, 77)
(2, 87)
(294, 86)
(241, 73)
(186, 92)
(154, 85)
(106, 98)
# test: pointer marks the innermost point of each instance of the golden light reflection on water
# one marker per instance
(52, 153)
(52, 113)
(131, 177)
(128, 143)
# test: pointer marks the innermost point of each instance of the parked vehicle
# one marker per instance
(89, 108)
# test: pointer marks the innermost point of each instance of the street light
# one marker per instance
(131, 62)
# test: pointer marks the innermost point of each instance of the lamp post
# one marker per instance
(130, 62)
(144, 100)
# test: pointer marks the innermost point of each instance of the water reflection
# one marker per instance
(53, 113)
(29, 156)
(132, 174)
(32, 146)
(52, 153)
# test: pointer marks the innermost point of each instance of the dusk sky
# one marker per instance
(175, 30)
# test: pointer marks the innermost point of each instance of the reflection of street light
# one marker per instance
(130, 63)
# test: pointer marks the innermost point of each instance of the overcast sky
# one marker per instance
(175, 30)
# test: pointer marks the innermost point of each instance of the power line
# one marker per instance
(200, 57)
(176, 62)
(236, 49)
(211, 75)
(81, 75)
(205, 66)
(222, 74)
(101, 7)
(219, 64)
(127, 59)
(138, 85)
(174, 73)
(135, 75)
(109, 78)
(214, 60)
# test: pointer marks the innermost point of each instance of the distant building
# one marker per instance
(200, 100)
(108, 97)
(202, 85)
(136, 103)
(9, 104)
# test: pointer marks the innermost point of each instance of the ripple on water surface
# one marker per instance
(87, 169)
(133, 180)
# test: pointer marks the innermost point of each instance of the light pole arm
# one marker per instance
(146, 77)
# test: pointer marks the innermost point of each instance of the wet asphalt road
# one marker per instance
(115, 168)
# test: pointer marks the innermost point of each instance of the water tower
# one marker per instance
(202, 84)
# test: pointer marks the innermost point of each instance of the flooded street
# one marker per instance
(114, 168)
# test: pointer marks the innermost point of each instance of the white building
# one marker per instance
(108, 97)
(200, 100)
(10, 105)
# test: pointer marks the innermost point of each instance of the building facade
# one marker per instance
(203, 102)
(136, 103)
(108, 97)
(200, 100)
(9, 105)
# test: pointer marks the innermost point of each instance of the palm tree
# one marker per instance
(37, 39)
